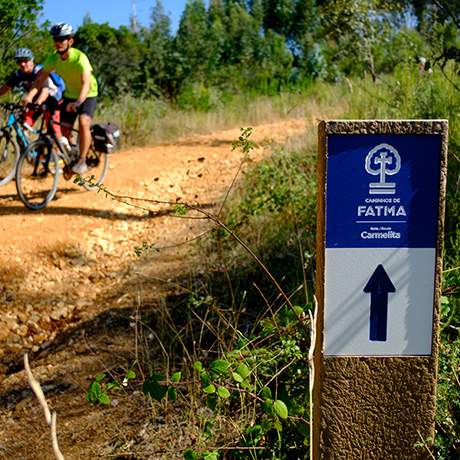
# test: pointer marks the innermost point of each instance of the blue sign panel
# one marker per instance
(382, 191)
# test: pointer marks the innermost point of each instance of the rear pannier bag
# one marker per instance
(106, 136)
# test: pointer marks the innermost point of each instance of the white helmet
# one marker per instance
(61, 29)
(24, 53)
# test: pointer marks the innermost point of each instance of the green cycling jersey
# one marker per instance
(71, 71)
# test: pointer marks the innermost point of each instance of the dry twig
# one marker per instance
(49, 417)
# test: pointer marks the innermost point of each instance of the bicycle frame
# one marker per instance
(13, 122)
(50, 133)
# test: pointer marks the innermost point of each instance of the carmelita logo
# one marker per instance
(383, 160)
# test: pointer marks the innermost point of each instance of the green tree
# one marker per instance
(276, 63)
(242, 36)
(191, 42)
(114, 54)
(353, 29)
(17, 26)
(439, 24)
(156, 67)
(308, 43)
(279, 16)
(216, 37)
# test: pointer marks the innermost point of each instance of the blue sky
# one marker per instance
(115, 12)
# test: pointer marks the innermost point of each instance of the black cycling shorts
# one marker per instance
(88, 108)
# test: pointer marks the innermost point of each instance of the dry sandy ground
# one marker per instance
(70, 285)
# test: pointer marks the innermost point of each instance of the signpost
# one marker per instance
(380, 215)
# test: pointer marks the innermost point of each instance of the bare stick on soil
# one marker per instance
(49, 417)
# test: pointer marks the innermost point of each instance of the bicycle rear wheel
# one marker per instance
(9, 155)
(37, 175)
(98, 164)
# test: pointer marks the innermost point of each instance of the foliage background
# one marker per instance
(225, 57)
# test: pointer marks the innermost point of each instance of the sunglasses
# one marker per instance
(60, 39)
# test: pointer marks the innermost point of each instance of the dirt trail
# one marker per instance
(71, 270)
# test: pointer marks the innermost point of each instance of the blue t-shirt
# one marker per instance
(24, 81)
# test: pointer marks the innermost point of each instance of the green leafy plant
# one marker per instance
(102, 385)
(263, 378)
(157, 387)
(144, 248)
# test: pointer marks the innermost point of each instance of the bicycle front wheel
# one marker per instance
(9, 155)
(98, 164)
(37, 174)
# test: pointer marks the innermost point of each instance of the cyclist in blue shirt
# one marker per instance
(24, 79)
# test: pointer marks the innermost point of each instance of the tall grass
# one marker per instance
(153, 121)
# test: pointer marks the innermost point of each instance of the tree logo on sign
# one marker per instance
(383, 160)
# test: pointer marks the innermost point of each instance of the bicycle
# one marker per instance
(13, 140)
(39, 167)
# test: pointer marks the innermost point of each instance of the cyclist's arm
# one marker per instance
(85, 85)
(30, 96)
(43, 96)
(44, 91)
(38, 84)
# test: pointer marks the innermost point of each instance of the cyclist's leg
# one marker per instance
(67, 119)
(86, 111)
(84, 122)
(53, 112)
(28, 117)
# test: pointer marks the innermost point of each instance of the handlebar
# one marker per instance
(37, 107)
(11, 106)
(19, 108)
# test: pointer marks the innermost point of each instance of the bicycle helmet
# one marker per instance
(61, 29)
(24, 53)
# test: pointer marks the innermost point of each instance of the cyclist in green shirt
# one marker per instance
(80, 95)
